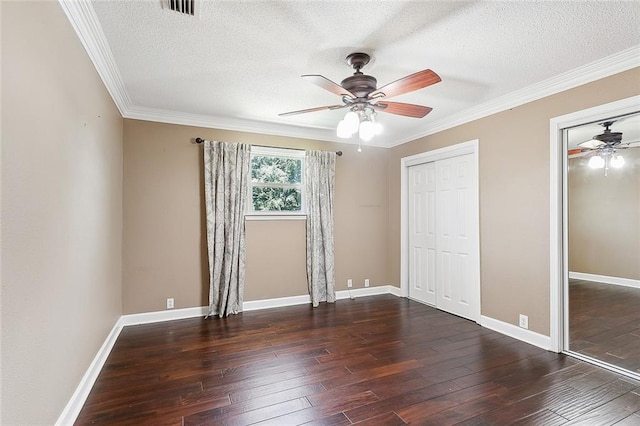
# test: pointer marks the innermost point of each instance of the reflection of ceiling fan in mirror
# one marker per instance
(607, 138)
(602, 149)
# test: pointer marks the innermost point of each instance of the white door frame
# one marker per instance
(558, 207)
(470, 147)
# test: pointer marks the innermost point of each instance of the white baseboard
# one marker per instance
(159, 316)
(277, 302)
(73, 407)
(528, 336)
(251, 305)
(396, 291)
(627, 282)
(366, 291)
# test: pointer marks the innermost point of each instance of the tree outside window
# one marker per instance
(276, 181)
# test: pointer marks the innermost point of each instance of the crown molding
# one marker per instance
(241, 125)
(605, 67)
(85, 22)
(227, 123)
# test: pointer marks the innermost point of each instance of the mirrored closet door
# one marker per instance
(602, 240)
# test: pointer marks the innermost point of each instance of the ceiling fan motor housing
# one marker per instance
(360, 84)
(609, 137)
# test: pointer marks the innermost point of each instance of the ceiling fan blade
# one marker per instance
(407, 84)
(303, 111)
(399, 108)
(578, 152)
(591, 144)
(329, 85)
(633, 144)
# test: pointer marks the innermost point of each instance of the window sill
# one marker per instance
(275, 216)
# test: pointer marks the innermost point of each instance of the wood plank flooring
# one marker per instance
(378, 360)
(604, 322)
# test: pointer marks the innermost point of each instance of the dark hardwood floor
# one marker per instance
(378, 360)
(604, 322)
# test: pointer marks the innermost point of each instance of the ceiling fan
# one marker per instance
(605, 141)
(608, 138)
(360, 93)
(602, 149)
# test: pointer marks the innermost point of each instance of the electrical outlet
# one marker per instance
(524, 322)
(349, 283)
(366, 282)
(170, 303)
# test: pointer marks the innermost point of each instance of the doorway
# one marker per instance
(440, 229)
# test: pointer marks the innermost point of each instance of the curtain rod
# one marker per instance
(200, 140)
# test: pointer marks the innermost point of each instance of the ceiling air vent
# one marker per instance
(186, 7)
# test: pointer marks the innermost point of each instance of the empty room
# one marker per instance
(320, 212)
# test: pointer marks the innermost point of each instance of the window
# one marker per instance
(276, 184)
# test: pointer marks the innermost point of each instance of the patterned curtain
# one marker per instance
(226, 170)
(319, 184)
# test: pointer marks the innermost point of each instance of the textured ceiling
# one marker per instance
(239, 62)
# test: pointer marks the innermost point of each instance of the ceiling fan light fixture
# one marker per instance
(596, 162)
(377, 127)
(343, 130)
(616, 161)
(367, 130)
(352, 121)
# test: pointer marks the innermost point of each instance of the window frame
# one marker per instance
(288, 153)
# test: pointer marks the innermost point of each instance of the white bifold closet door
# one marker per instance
(422, 232)
(441, 240)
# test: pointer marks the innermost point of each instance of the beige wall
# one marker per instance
(514, 196)
(604, 218)
(61, 212)
(164, 249)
